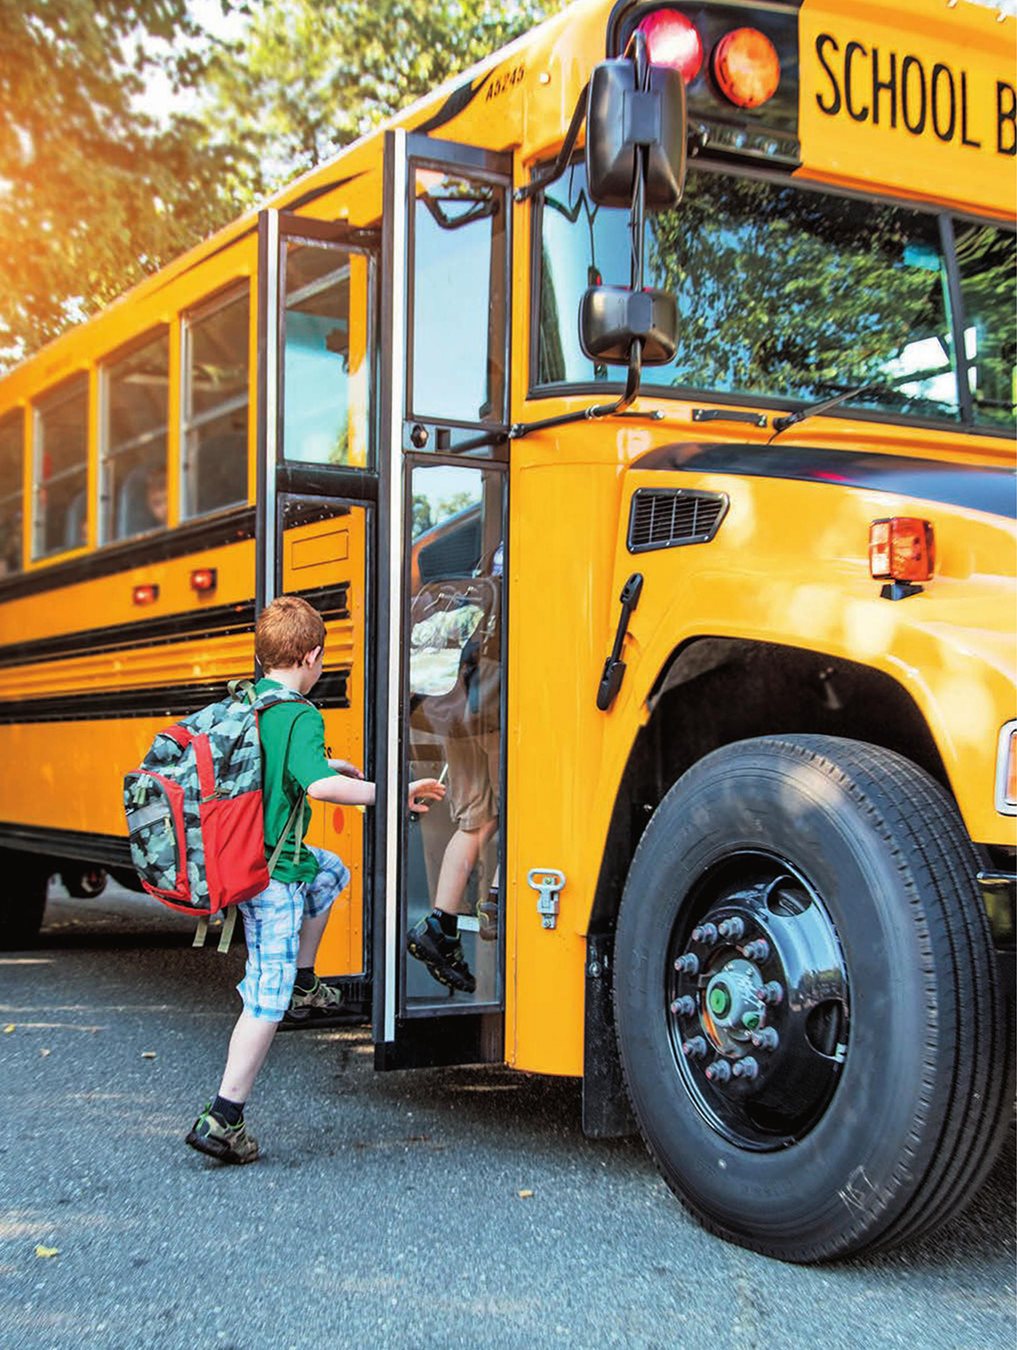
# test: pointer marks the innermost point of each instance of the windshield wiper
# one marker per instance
(814, 409)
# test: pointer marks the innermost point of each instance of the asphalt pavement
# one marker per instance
(455, 1207)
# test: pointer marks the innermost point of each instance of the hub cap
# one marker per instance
(768, 997)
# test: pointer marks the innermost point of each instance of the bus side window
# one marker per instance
(215, 406)
(134, 440)
(60, 470)
(12, 437)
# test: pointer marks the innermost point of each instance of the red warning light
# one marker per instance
(672, 40)
(204, 579)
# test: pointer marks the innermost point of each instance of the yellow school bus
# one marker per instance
(638, 410)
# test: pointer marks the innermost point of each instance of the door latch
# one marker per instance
(547, 882)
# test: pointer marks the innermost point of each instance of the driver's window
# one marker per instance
(453, 915)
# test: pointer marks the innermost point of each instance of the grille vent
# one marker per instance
(667, 517)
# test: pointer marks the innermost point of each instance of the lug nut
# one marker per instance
(765, 1038)
(694, 1047)
(687, 964)
(746, 1068)
(732, 929)
(719, 1071)
(684, 1006)
(770, 993)
(705, 933)
(758, 950)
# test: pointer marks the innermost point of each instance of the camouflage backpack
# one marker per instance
(195, 812)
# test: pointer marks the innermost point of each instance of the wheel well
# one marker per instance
(717, 690)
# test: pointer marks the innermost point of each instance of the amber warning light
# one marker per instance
(746, 67)
(902, 549)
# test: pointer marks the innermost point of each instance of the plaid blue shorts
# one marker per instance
(272, 922)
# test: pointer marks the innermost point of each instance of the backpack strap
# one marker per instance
(242, 690)
(296, 824)
(228, 924)
(226, 936)
(273, 696)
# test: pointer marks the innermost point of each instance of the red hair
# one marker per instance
(286, 631)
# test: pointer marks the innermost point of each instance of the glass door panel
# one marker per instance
(325, 366)
(459, 327)
(453, 713)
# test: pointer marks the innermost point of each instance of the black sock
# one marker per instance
(231, 1113)
(306, 979)
(449, 922)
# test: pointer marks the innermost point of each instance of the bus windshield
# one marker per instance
(792, 294)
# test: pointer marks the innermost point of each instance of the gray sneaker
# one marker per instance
(228, 1143)
(322, 1002)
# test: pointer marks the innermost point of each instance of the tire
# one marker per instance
(878, 1092)
(84, 882)
(26, 881)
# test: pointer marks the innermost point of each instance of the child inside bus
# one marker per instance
(284, 924)
(474, 788)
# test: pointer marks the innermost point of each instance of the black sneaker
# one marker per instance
(442, 955)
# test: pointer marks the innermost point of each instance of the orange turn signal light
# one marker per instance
(746, 67)
(204, 579)
(902, 548)
(146, 595)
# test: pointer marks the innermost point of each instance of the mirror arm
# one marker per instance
(520, 429)
(559, 166)
(637, 225)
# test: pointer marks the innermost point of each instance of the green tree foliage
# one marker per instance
(310, 76)
(780, 292)
(94, 191)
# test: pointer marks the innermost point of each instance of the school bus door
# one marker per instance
(317, 494)
(442, 517)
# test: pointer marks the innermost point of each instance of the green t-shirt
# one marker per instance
(292, 758)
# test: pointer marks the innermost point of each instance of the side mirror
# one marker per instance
(621, 119)
(611, 318)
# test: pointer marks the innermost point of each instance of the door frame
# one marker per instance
(469, 1036)
(277, 478)
(273, 474)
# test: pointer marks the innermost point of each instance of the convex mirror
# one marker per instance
(621, 119)
(612, 317)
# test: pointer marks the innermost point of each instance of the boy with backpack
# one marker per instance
(284, 923)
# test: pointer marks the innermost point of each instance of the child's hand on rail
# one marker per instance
(422, 791)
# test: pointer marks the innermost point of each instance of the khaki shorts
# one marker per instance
(474, 768)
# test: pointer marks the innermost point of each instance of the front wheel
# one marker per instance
(805, 997)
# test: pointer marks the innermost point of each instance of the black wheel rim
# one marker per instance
(757, 1001)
